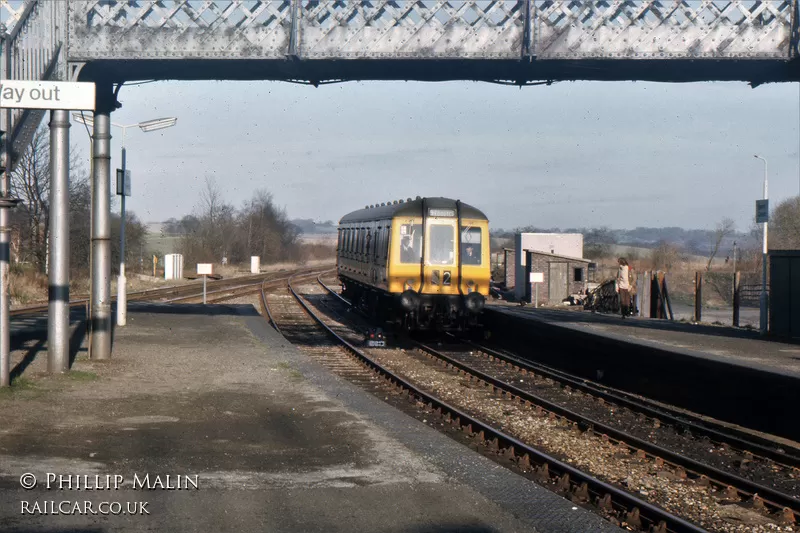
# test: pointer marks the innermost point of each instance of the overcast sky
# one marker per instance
(572, 154)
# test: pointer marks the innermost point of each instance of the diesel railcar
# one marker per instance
(423, 264)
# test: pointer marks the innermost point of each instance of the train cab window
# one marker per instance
(470, 245)
(410, 243)
(442, 250)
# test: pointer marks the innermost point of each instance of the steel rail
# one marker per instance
(267, 312)
(738, 439)
(237, 291)
(722, 434)
(147, 293)
(228, 292)
(628, 502)
(769, 496)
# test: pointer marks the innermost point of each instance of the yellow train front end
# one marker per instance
(438, 268)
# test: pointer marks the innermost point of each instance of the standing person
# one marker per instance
(623, 287)
(634, 309)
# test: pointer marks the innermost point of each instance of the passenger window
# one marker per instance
(410, 243)
(470, 245)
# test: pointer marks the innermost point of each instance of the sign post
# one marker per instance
(762, 217)
(535, 279)
(123, 190)
(59, 98)
(204, 269)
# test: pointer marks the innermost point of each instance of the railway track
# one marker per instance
(655, 412)
(333, 344)
(502, 373)
(750, 445)
(187, 293)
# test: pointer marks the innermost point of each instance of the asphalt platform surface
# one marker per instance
(715, 343)
(213, 397)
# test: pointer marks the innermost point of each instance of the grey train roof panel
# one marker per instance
(411, 208)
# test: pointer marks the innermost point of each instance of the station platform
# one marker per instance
(254, 435)
(731, 374)
(717, 343)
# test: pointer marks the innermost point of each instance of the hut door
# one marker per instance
(557, 286)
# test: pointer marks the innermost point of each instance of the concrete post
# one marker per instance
(58, 310)
(100, 342)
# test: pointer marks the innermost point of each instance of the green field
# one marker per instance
(156, 244)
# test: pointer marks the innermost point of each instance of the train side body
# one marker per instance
(411, 263)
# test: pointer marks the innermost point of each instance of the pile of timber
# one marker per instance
(604, 298)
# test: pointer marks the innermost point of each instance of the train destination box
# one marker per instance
(32, 94)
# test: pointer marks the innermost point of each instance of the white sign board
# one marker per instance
(123, 183)
(537, 277)
(205, 268)
(762, 211)
(26, 94)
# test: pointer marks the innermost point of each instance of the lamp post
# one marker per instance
(122, 188)
(763, 299)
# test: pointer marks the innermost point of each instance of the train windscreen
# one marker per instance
(442, 244)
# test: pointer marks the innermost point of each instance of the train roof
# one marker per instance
(410, 208)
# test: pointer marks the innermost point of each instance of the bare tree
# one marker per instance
(664, 256)
(30, 181)
(724, 228)
(784, 225)
(218, 230)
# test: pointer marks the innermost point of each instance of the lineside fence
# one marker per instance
(719, 293)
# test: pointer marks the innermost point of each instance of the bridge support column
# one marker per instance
(58, 309)
(5, 254)
(100, 336)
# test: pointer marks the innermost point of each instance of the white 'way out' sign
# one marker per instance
(24, 94)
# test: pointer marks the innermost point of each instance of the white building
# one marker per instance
(561, 244)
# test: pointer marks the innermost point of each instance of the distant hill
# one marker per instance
(694, 241)
(309, 227)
